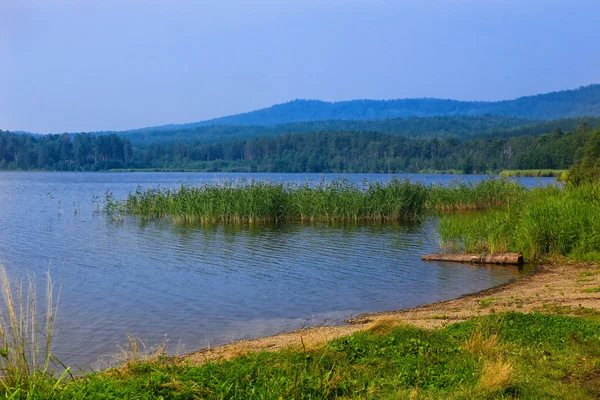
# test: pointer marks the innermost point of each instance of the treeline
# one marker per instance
(66, 152)
(375, 152)
(342, 152)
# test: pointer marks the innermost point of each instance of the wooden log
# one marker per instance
(500, 258)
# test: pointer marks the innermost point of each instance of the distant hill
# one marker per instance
(459, 127)
(584, 101)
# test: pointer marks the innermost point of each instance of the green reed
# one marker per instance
(460, 195)
(258, 201)
(544, 222)
(536, 173)
(326, 201)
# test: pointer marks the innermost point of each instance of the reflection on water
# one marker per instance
(212, 284)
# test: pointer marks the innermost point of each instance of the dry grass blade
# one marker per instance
(480, 345)
(496, 376)
(26, 341)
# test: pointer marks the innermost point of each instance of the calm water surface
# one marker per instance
(204, 286)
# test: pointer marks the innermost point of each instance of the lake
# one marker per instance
(205, 286)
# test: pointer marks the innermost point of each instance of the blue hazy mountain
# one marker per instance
(584, 101)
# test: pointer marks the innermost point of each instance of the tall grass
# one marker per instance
(460, 195)
(339, 200)
(537, 173)
(544, 222)
(257, 201)
(26, 340)
(561, 175)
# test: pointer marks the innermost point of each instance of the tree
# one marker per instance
(468, 165)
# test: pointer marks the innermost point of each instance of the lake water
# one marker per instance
(205, 286)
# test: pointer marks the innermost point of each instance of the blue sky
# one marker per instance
(69, 65)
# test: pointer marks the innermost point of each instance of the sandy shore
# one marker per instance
(550, 288)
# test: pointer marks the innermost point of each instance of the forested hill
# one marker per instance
(459, 127)
(584, 101)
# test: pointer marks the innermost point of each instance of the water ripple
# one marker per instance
(208, 285)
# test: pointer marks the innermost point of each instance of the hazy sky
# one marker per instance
(68, 65)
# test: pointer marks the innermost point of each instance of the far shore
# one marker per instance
(550, 288)
(130, 170)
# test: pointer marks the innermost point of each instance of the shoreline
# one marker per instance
(549, 288)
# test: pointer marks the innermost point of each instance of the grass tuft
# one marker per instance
(496, 376)
(26, 338)
(482, 345)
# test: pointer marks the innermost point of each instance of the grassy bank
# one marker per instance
(511, 355)
(340, 200)
(542, 223)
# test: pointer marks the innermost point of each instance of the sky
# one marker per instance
(83, 65)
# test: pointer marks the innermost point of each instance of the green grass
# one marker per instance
(511, 355)
(489, 301)
(544, 222)
(340, 200)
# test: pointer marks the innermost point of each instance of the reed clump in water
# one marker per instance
(536, 173)
(257, 201)
(338, 200)
(544, 222)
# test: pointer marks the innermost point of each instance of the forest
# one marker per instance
(338, 152)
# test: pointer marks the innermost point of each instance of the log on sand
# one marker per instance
(500, 258)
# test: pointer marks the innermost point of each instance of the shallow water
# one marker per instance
(204, 286)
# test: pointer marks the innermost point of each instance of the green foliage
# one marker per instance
(63, 152)
(588, 169)
(543, 354)
(368, 152)
(540, 223)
